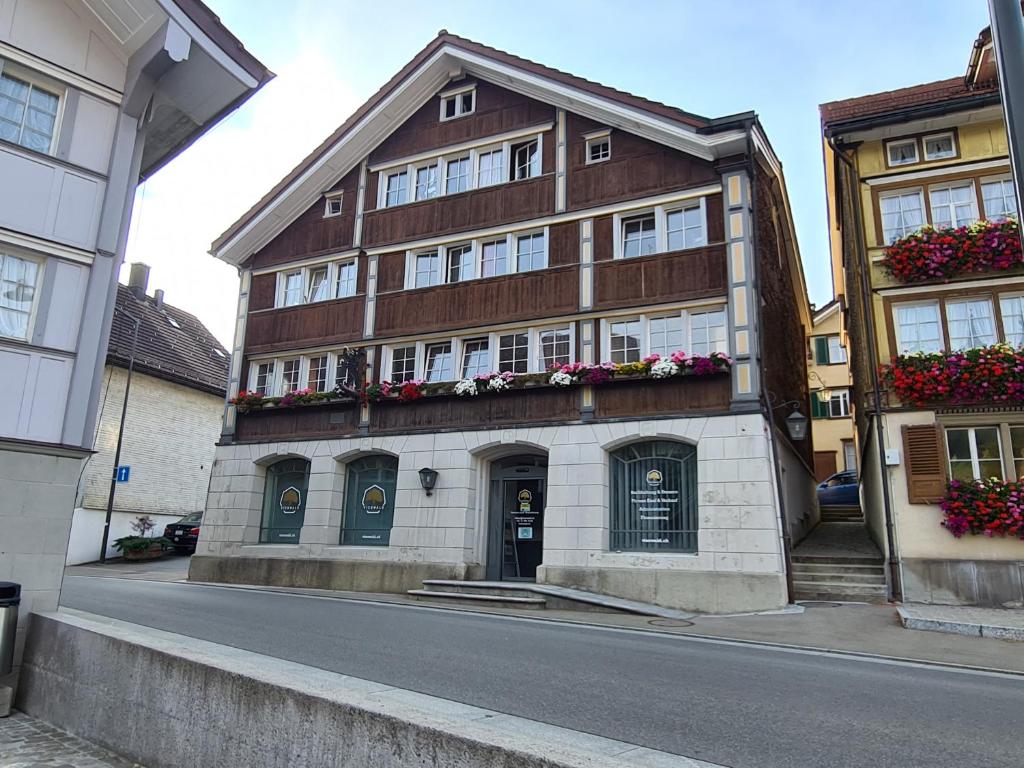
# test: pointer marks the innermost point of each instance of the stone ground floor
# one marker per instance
(683, 512)
(26, 742)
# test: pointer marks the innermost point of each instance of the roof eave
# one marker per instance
(906, 114)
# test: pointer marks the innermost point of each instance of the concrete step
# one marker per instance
(477, 588)
(841, 517)
(839, 597)
(837, 559)
(809, 568)
(824, 590)
(866, 579)
(487, 601)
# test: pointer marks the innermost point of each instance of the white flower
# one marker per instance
(497, 384)
(560, 379)
(663, 369)
(466, 387)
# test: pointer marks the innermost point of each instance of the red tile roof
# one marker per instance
(891, 101)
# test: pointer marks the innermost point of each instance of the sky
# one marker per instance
(779, 58)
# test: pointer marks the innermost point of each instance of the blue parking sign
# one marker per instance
(122, 473)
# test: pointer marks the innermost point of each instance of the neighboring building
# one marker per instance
(829, 370)
(177, 392)
(483, 213)
(933, 154)
(94, 96)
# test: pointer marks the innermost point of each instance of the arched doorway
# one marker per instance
(515, 541)
(284, 501)
(369, 510)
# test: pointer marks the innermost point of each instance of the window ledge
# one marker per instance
(308, 304)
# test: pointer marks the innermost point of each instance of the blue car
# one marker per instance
(839, 490)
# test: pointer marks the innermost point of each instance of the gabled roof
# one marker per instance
(187, 354)
(443, 58)
(875, 104)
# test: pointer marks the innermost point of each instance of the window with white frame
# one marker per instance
(461, 263)
(346, 370)
(396, 191)
(494, 258)
(638, 236)
(1012, 310)
(836, 350)
(319, 282)
(555, 347)
(953, 205)
(290, 372)
(427, 182)
(317, 377)
(665, 335)
(28, 111)
(707, 332)
(971, 323)
(263, 378)
(332, 204)
(975, 453)
(292, 289)
(940, 146)
(345, 279)
(403, 364)
(902, 213)
(19, 279)
(490, 167)
(525, 160)
(476, 357)
(901, 152)
(624, 341)
(599, 148)
(428, 269)
(458, 104)
(685, 227)
(514, 353)
(457, 175)
(319, 288)
(439, 362)
(1017, 450)
(697, 331)
(999, 198)
(918, 328)
(839, 404)
(531, 252)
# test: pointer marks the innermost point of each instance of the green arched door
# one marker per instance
(369, 501)
(284, 501)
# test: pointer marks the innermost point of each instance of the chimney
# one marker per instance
(158, 296)
(138, 280)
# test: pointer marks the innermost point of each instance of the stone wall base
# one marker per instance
(345, 575)
(702, 591)
(987, 583)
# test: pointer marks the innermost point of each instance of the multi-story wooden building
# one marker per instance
(483, 215)
(927, 262)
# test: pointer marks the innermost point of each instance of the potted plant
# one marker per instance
(141, 546)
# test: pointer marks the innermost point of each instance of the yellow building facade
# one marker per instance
(828, 369)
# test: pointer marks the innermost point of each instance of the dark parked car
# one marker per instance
(839, 490)
(184, 534)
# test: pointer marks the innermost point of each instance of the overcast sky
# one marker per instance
(780, 58)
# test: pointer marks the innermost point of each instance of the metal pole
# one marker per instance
(1008, 40)
(120, 437)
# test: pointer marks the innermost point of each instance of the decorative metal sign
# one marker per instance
(374, 500)
(291, 500)
(525, 501)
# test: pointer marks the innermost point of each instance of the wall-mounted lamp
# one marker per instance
(428, 479)
(823, 393)
(796, 424)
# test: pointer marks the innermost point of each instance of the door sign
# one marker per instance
(374, 500)
(291, 500)
(525, 502)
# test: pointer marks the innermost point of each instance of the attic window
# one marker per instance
(218, 352)
(939, 147)
(599, 147)
(902, 152)
(173, 322)
(458, 103)
(332, 204)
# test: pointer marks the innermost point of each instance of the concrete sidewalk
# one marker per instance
(26, 742)
(996, 623)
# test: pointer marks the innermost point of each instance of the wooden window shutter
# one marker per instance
(819, 410)
(924, 454)
(821, 350)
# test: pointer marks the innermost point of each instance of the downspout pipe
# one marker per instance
(895, 577)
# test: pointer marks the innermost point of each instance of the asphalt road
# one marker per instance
(737, 705)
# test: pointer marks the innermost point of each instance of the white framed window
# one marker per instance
(427, 182)
(971, 323)
(707, 332)
(344, 373)
(902, 213)
(670, 227)
(345, 279)
(316, 379)
(999, 198)
(698, 331)
(531, 252)
(953, 205)
(554, 347)
(403, 364)
(638, 236)
(292, 288)
(1012, 310)
(319, 286)
(836, 350)
(396, 190)
(624, 338)
(598, 148)
(918, 327)
(1017, 450)
(318, 282)
(975, 453)
(438, 357)
(19, 283)
(428, 269)
(457, 175)
(291, 374)
(839, 404)
(494, 258)
(476, 357)
(665, 334)
(458, 103)
(490, 167)
(332, 204)
(29, 109)
(526, 160)
(262, 377)
(685, 227)
(461, 262)
(902, 152)
(514, 352)
(939, 146)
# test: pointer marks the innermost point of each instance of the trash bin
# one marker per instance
(10, 599)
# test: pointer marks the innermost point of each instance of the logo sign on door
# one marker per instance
(291, 499)
(374, 500)
(525, 501)
(654, 477)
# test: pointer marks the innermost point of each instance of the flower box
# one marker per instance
(942, 254)
(985, 375)
(985, 507)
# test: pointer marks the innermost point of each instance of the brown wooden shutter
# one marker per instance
(924, 454)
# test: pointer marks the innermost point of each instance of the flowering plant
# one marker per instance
(987, 507)
(500, 381)
(466, 387)
(662, 369)
(247, 401)
(560, 379)
(987, 374)
(940, 254)
(410, 390)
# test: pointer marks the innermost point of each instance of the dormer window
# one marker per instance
(332, 204)
(939, 147)
(902, 152)
(599, 146)
(458, 103)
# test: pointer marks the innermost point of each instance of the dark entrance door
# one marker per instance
(516, 540)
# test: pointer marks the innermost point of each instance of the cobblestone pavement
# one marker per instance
(29, 743)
